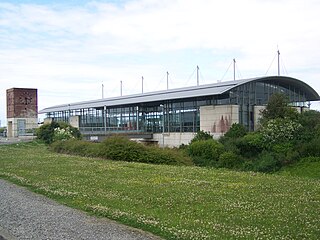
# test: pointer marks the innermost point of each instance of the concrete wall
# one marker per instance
(74, 121)
(173, 139)
(13, 126)
(218, 119)
(47, 120)
(257, 110)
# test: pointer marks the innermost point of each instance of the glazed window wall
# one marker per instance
(178, 115)
(258, 93)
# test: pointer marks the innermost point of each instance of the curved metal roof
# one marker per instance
(187, 92)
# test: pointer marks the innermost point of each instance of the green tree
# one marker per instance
(310, 121)
(57, 131)
(278, 107)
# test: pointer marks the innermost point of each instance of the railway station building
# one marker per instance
(172, 117)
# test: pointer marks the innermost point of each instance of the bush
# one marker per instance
(280, 130)
(205, 153)
(310, 121)
(251, 144)
(229, 160)
(266, 162)
(231, 145)
(168, 156)
(201, 136)
(236, 131)
(285, 153)
(55, 131)
(310, 149)
(122, 149)
(76, 147)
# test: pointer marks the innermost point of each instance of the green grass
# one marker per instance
(174, 202)
(307, 168)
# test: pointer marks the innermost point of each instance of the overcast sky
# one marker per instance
(67, 49)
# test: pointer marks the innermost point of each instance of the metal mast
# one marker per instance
(278, 62)
(120, 88)
(167, 80)
(102, 90)
(197, 75)
(234, 69)
(142, 84)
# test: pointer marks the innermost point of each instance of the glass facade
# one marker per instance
(179, 115)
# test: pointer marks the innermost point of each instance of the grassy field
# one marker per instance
(170, 201)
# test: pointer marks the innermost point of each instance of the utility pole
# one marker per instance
(197, 75)
(278, 62)
(167, 80)
(234, 69)
(142, 84)
(102, 89)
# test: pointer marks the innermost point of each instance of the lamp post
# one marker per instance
(162, 106)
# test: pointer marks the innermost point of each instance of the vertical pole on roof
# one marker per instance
(163, 126)
(167, 80)
(142, 84)
(105, 119)
(137, 118)
(197, 75)
(234, 69)
(278, 62)
(102, 89)
(120, 88)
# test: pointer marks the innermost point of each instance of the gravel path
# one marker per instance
(26, 215)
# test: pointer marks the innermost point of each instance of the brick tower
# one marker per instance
(22, 111)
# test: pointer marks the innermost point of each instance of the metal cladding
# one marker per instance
(182, 93)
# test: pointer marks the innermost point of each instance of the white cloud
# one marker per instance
(67, 51)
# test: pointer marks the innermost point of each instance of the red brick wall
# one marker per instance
(22, 103)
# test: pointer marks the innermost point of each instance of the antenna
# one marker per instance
(142, 84)
(197, 75)
(102, 90)
(167, 80)
(234, 69)
(278, 62)
(120, 88)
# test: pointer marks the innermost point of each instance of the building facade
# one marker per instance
(22, 111)
(172, 117)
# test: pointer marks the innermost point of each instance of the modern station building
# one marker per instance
(172, 117)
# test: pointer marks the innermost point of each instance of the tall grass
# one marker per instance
(175, 202)
(122, 149)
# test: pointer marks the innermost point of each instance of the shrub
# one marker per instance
(229, 160)
(231, 145)
(57, 131)
(310, 159)
(201, 136)
(285, 153)
(310, 149)
(76, 147)
(205, 153)
(121, 148)
(236, 131)
(251, 144)
(280, 130)
(168, 156)
(310, 121)
(266, 162)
